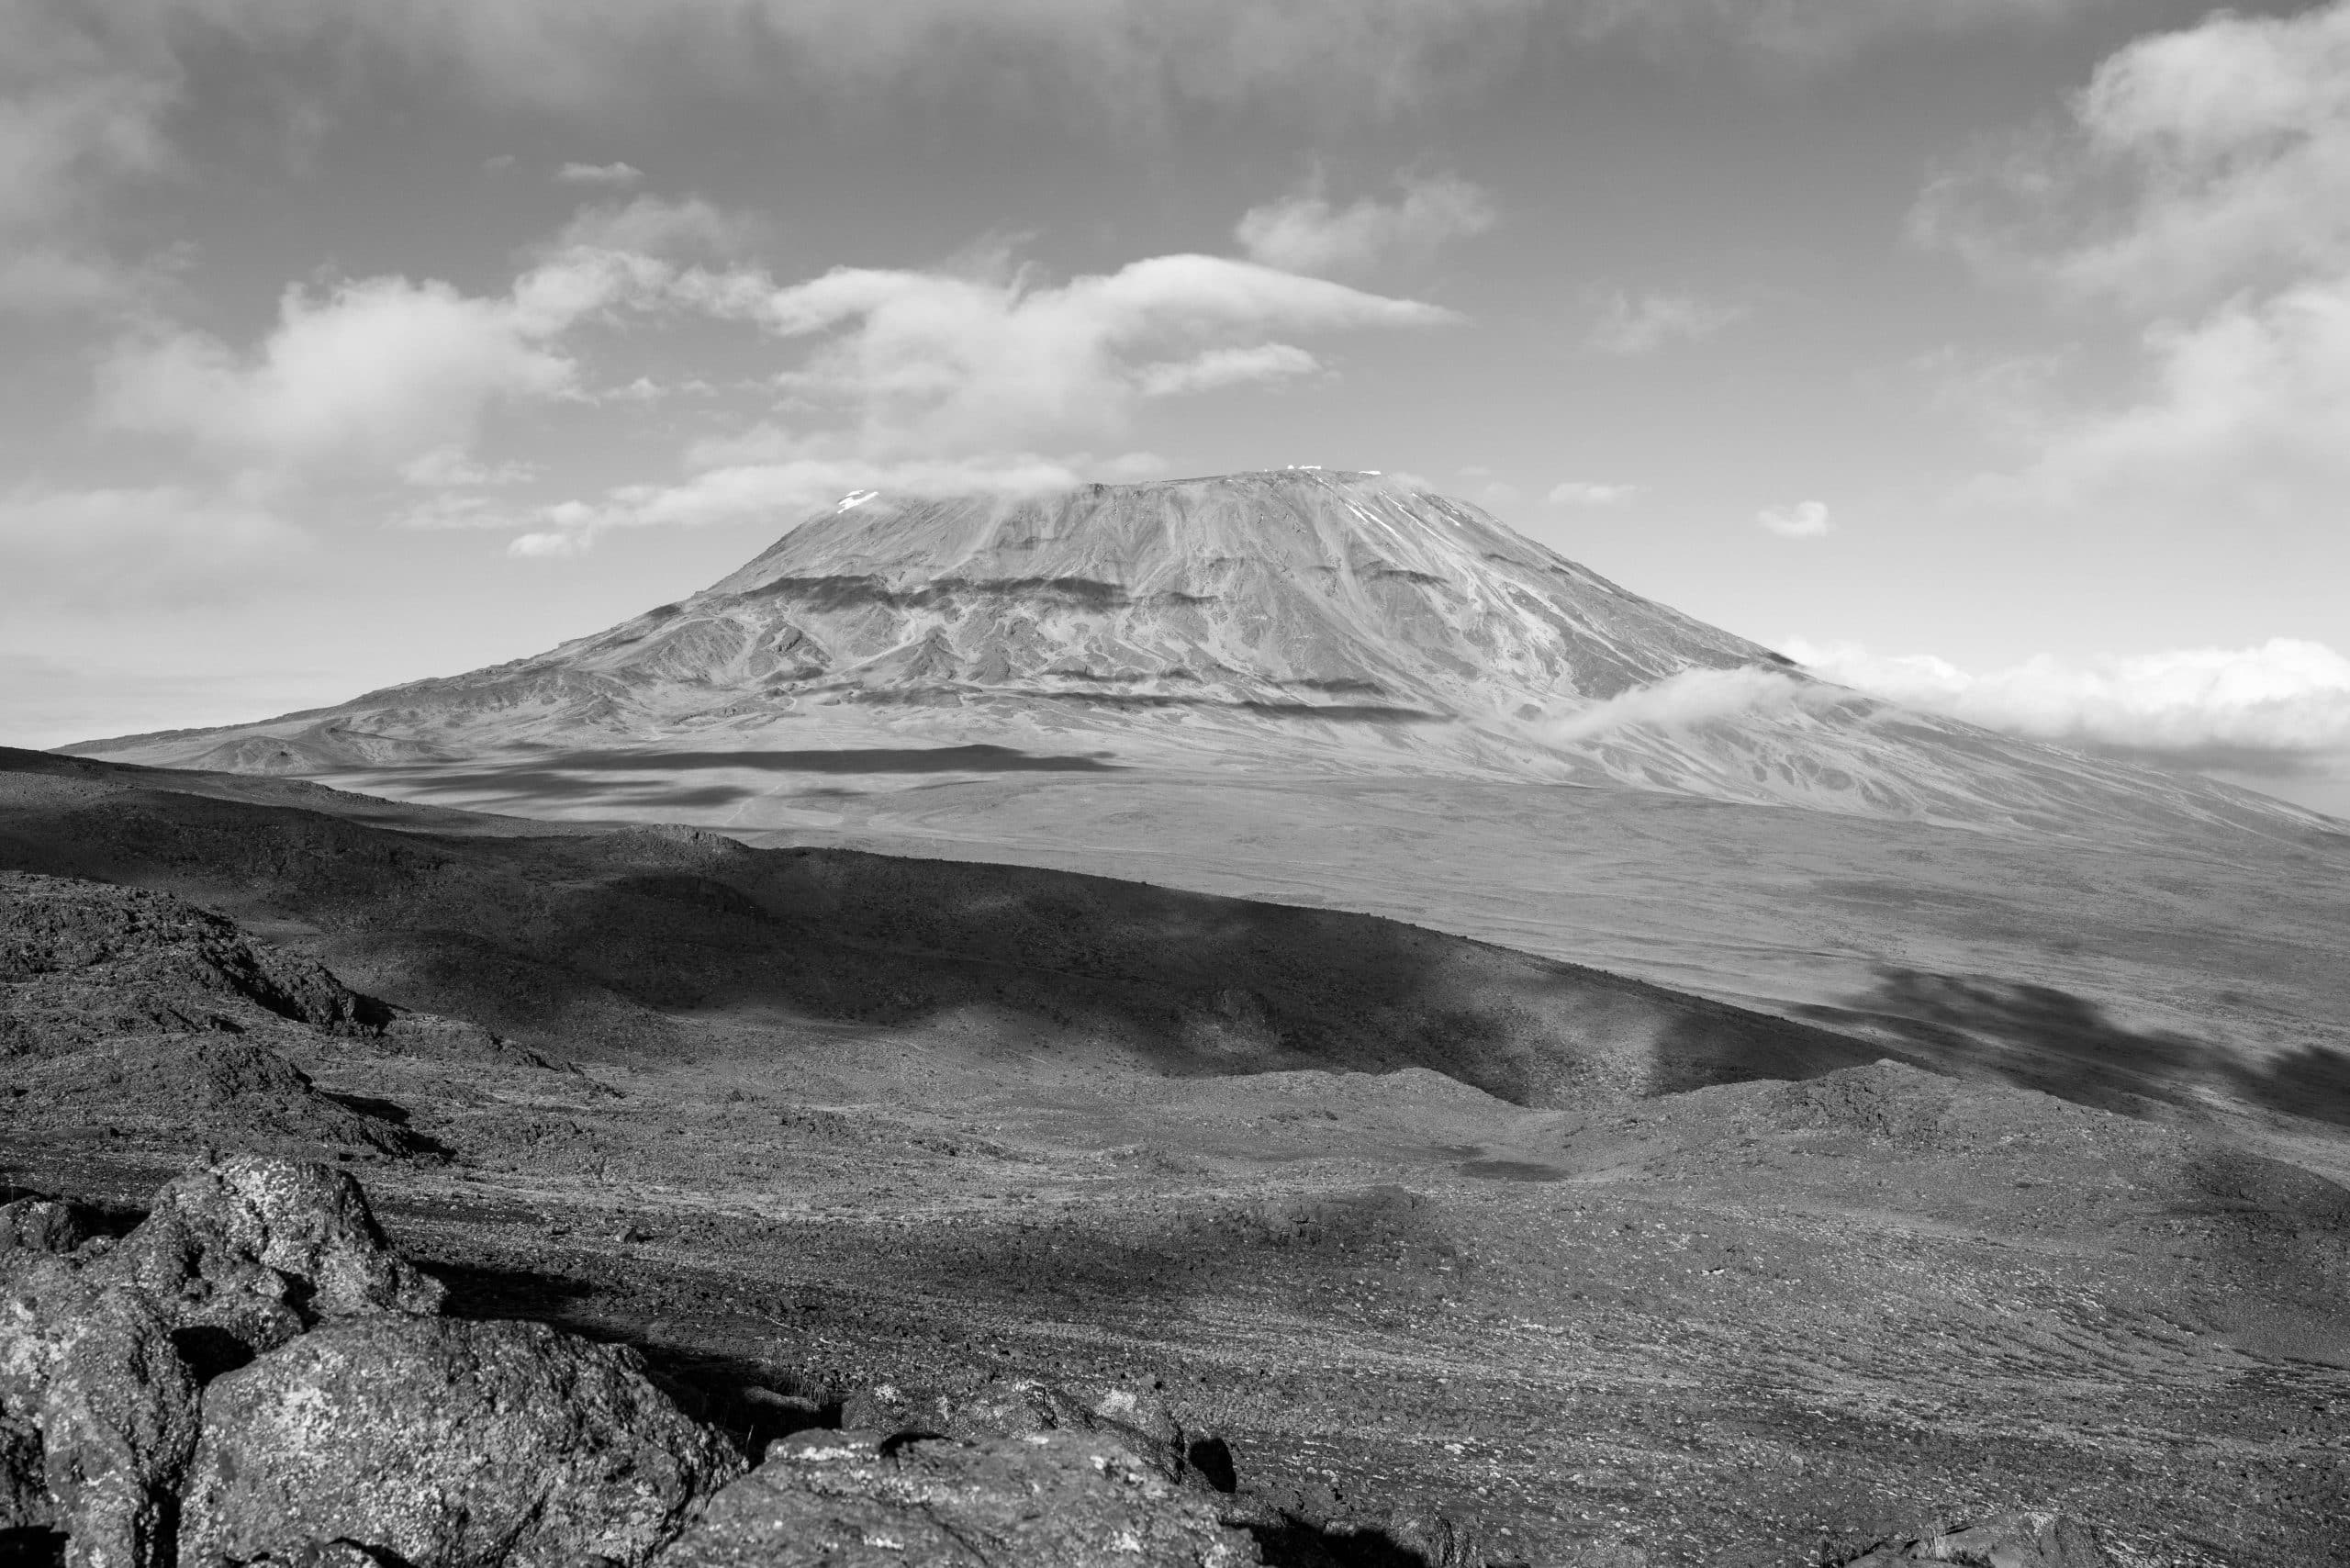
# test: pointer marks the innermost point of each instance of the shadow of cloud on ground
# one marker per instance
(2039, 1037)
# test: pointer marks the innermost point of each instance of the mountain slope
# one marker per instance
(1293, 620)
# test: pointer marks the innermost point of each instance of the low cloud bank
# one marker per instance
(1690, 700)
(2282, 707)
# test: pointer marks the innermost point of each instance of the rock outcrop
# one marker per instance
(445, 1444)
(2010, 1541)
(176, 1089)
(132, 1014)
(258, 1249)
(1047, 1499)
(81, 961)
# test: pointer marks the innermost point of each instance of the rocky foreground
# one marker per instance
(252, 1374)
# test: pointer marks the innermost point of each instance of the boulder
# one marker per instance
(97, 1415)
(445, 1444)
(257, 1249)
(41, 1224)
(1044, 1499)
(1139, 1420)
(2029, 1539)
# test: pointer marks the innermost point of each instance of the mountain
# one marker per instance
(1289, 620)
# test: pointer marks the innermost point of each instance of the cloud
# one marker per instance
(658, 226)
(783, 493)
(1805, 519)
(90, 94)
(78, 119)
(2194, 164)
(2202, 182)
(1808, 33)
(1218, 368)
(1304, 232)
(1588, 493)
(2250, 404)
(1691, 700)
(376, 372)
(107, 546)
(933, 362)
(600, 174)
(921, 378)
(1628, 325)
(1125, 59)
(444, 467)
(2271, 708)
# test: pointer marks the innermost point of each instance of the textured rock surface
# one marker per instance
(1137, 1420)
(84, 960)
(2011, 1540)
(259, 1248)
(41, 1224)
(452, 1444)
(1049, 1499)
(224, 1088)
(97, 1415)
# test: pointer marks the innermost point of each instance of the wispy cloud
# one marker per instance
(1808, 34)
(1691, 700)
(1589, 493)
(1213, 370)
(1804, 520)
(1305, 233)
(934, 360)
(600, 174)
(2194, 164)
(1630, 325)
(2202, 185)
(379, 373)
(783, 492)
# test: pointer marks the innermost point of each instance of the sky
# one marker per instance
(1994, 354)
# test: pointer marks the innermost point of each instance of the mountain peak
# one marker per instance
(1281, 587)
(1297, 620)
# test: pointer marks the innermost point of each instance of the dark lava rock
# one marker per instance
(445, 1444)
(258, 1249)
(97, 1415)
(81, 961)
(217, 1086)
(2010, 1541)
(1047, 1499)
(41, 1224)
